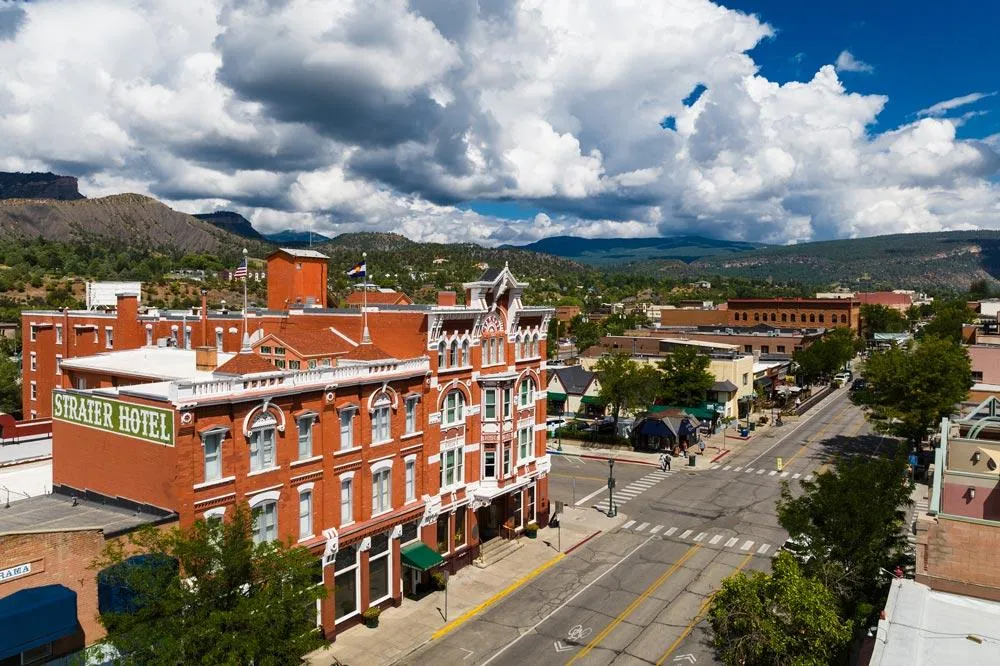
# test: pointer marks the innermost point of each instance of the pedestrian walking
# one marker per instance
(664, 462)
(701, 447)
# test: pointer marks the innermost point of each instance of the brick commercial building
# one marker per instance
(405, 438)
(760, 340)
(811, 312)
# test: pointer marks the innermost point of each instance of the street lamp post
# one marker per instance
(612, 509)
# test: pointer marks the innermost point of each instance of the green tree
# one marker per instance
(910, 389)
(686, 379)
(556, 331)
(947, 321)
(881, 319)
(826, 356)
(587, 333)
(852, 526)
(232, 602)
(780, 618)
(10, 378)
(625, 384)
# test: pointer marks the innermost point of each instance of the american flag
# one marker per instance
(241, 270)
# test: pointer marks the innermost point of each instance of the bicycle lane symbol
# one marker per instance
(573, 638)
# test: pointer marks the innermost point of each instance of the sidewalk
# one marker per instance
(470, 591)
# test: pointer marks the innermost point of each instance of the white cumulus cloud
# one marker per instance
(409, 115)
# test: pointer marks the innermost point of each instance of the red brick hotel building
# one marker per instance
(387, 442)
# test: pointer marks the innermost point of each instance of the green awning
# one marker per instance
(419, 556)
(592, 400)
(558, 397)
(701, 413)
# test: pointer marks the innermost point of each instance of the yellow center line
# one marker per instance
(816, 436)
(697, 618)
(632, 606)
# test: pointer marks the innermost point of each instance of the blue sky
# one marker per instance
(921, 51)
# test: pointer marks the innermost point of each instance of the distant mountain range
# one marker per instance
(606, 252)
(50, 206)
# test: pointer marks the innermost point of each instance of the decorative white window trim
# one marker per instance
(263, 471)
(260, 498)
(340, 452)
(215, 512)
(305, 486)
(381, 464)
(306, 461)
(215, 482)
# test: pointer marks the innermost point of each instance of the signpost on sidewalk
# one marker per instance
(612, 509)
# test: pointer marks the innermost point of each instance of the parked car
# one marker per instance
(841, 378)
(554, 423)
(858, 385)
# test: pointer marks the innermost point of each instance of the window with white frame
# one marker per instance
(346, 582)
(489, 464)
(465, 353)
(381, 413)
(411, 479)
(490, 404)
(379, 569)
(34, 362)
(34, 391)
(305, 514)
(454, 408)
(381, 490)
(59, 360)
(32, 333)
(109, 337)
(305, 423)
(218, 339)
(346, 500)
(527, 392)
(261, 438)
(346, 429)
(453, 354)
(534, 345)
(59, 334)
(411, 415)
(442, 351)
(506, 403)
(265, 522)
(149, 336)
(211, 442)
(187, 337)
(531, 504)
(508, 454)
(453, 466)
(524, 443)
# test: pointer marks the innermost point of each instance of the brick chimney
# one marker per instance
(447, 298)
(206, 358)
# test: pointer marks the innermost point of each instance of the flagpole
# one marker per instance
(246, 338)
(365, 336)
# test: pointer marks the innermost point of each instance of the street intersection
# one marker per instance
(638, 593)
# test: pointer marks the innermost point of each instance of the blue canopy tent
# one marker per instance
(35, 616)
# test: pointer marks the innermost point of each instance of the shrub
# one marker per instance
(439, 579)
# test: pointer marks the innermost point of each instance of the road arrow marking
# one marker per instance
(560, 647)
(470, 653)
(690, 658)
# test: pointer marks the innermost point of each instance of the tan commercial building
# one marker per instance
(693, 317)
(761, 340)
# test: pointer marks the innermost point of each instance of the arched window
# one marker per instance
(534, 345)
(527, 391)
(773, 316)
(465, 352)
(821, 317)
(843, 319)
(441, 352)
(454, 408)
(756, 316)
(784, 317)
(744, 316)
(501, 350)
(453, 354)
(793, 316)
(812, 319)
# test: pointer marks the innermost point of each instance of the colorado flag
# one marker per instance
(358, 271)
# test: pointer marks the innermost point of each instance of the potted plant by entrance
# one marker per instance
(531, 530)
(439, 580)
(370, 616)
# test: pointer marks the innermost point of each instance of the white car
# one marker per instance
(842, 378)
(553, 424)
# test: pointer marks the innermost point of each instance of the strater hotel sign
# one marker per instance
(150, 424)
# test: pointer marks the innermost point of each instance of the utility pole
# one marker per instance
(612, 509)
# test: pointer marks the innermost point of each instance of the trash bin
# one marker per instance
(744, 432)
(691, 460)
(753, 426)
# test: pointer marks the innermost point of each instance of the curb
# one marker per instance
(582, 542)
(721, 455)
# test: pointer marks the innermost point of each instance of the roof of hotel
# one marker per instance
(311, 343)
(164, 363)
(367, 352)
(296, 252)
(378, 298)
(245, 363)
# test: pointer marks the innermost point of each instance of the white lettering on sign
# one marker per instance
(152, 424)
(15, 571)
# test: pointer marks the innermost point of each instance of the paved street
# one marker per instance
(638, 593)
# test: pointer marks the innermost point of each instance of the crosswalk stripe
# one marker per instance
(763, 549)
(732, 541)
(628, 524)
(716, 539)
(748, 470)
(670, 531)
(642, 527)
(809, 478)
(736, 469)
(772, 472)
(746, 545)
(660, 475)
(656, 529)
(784, 474)
(715, 466)
(686, 534)
(795, 476)
(701, 536)
(761, 470)
(727, 468)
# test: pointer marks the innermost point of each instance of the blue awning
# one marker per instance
(33, 617)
